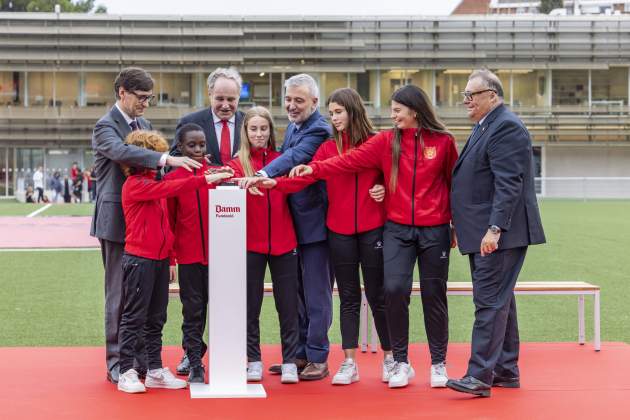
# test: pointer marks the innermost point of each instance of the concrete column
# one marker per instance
(26, 89)
(590, 88)
(54, 89)
(377, 99)
(200, 89)
(433, 88)
(82, 99)
(511, 89)
(270, 91)
(549, 87)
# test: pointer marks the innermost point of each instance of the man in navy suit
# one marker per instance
(134, 91)
(496, 217)
(307, 130)
(221, 122)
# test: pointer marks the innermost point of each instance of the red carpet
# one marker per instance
(561, 381)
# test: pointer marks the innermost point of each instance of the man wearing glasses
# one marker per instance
(496, 217)
(134, 92)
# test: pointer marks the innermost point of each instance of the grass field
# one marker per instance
(14, 208)
(56, 298)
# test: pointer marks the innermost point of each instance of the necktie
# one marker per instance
(226, 148)
(134, 125)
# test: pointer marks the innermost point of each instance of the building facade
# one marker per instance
(567, 77)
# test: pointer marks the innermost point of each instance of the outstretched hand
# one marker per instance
(300, 170)
(215, 175)
(182, 161)
(256, 181)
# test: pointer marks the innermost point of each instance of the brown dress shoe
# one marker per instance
(314, 371)
(277, 368)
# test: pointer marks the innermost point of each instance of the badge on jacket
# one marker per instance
(430, 152)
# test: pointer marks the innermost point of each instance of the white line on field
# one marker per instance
(46, 249)
(36, 212)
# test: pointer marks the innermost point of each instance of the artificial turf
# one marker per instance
(56, 298)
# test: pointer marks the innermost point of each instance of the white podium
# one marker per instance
(227, 303)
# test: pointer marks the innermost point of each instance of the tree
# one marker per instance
(69, 6)
(547, 6)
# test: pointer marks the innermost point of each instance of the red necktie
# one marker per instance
(226, 148)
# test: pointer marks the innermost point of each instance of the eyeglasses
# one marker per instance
(150, 99)
(469, 95)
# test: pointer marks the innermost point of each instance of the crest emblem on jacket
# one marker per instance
(430, 152)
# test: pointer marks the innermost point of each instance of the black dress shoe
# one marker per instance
(197, 375)
(113, 375)
(184, 366)
(277, 368)
(506, 381)
(469, 385)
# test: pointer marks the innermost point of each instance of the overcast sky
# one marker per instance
(275, 7)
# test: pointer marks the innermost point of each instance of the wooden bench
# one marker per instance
(576, 288)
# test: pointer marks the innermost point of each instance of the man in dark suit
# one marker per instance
(134, 92)
(221, 122)
(307, 130)
(496, 217)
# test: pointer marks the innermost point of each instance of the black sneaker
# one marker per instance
(197, 375)
(184, 366)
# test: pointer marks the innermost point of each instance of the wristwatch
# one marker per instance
(495, 229)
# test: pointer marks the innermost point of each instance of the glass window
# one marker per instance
(329, 82)
(172, 88)
(448, 87)
(26, 162)
(255, 89)
(610, 87)
(10, 88)
(53, 88)
(390, 81)
(570, 87)
(99, 89)
(529, 88)
(4, 171)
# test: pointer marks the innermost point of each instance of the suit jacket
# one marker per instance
(493, 184)
(308, 207)
(204, 119)
(109, 152)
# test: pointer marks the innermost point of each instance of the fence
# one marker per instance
(583, 188)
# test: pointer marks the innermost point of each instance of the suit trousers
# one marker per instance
(346, 253)
(145, 299)
(111, 253)
(193, 293)
(315, 279)
(284, 276)
(430, 246)
(495, 339)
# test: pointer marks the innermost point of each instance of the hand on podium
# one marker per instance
(300, 170)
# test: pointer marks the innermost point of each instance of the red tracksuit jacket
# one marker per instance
(148, 233)
(351, 210)
(421, 197)
(269, 223)
(188, 217)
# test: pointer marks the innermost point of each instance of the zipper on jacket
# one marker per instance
(413, 180)
(203, 241)
(162, 227)
(356, 203)
(268, 208)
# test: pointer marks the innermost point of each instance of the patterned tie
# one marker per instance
(226, 148)
(134, 125)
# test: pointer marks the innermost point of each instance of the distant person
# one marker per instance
(133, 88)
(74, 171)
(145, 264)
(56, 186)
(38, 183)
(496, 216)
(91, 177)
(28, 195)
(77, 188)
(67, 196)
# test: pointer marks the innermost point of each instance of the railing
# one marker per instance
(583, 188)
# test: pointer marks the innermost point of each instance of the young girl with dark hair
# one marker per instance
(417, 158)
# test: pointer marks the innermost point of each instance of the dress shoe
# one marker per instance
(113, 375)
(506, 381)
(469, 385)
(314, 371)
(277, 369)
(184, 366)
(197, 375)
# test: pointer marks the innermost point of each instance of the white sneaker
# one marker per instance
(348, 373)
(401, 375)
(129, 382)
(389, 364)
(163, 378)
(254, 371)
(439, 375)
(289, 373)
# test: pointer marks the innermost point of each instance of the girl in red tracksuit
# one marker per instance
(417, 159)
(270, 240)
(188, 217)
(355, 230)
(148, 244)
